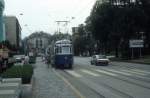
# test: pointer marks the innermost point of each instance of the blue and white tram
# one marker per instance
(63, 57)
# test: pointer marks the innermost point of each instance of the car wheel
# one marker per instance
(96, 64)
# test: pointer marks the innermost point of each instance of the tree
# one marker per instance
(82, 41)
(116, 22)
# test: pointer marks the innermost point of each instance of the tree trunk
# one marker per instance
(116, 52)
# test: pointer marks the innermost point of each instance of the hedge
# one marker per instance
(25, 72)
(32, 60)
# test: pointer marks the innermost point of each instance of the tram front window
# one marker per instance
(66, 50)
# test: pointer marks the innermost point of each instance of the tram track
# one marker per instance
(80, 86)
(113, 92)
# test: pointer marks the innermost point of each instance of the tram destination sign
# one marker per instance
(136, 43)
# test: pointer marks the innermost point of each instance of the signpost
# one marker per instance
(136, 44)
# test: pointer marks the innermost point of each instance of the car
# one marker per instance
(19, 58)
(99, 60)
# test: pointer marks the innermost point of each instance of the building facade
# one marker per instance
(38, 42)
(13, 30)
(2, 31)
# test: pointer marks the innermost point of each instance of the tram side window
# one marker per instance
(58, 50)
(70, 49)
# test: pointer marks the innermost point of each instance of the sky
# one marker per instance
(40, 15)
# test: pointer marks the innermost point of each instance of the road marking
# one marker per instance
(133, 72)
(90, 73)
(120, 72)
(105, 72)
(142, 77)
(69, 84)
(73, 73)
(142, 71)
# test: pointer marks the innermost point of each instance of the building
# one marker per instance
(38, 42)
(75, 30)
(2, 31)
(13, 30)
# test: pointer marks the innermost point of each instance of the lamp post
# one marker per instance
(142, 37)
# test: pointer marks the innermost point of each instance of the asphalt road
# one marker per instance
(118, 80)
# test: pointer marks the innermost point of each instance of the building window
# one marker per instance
(36, 43)
(41, 43)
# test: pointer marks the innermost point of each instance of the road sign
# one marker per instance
(136, 43)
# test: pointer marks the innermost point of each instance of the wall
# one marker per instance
(2, 33)
(13, 30)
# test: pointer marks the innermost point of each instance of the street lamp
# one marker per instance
(28, 28)
(21, 14)
(142, 37)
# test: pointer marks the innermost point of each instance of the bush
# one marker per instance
(32, 60)
(25, 72)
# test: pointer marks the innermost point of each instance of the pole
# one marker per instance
(132, 53)
(140, 52)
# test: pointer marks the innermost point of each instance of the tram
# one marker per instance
(63, 54)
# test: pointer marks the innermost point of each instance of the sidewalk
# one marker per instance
(48, 85)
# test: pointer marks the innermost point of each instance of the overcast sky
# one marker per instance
(40, 15)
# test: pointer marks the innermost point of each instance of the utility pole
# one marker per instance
(58, 25)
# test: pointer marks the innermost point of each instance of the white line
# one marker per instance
(105, 72)
(133, 72)
(142, 71)
(73, 73)
(127, 74)
(90, 73)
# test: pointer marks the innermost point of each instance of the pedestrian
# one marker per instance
(47, 61)
(26, 60)
(1, 62)
(5, 60)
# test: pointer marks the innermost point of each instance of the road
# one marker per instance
(118, 80)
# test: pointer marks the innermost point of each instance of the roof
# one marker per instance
(63, 42)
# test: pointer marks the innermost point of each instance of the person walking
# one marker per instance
(48, 61)
(26, 60)
(1, 62)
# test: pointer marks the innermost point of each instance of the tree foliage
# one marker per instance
(83, 42)
(115, 22)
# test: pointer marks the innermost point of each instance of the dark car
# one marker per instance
(99, 60)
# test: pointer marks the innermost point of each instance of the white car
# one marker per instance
(19, 58)
(99, 60)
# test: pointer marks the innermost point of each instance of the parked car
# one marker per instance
(99, 60)
(19, 58)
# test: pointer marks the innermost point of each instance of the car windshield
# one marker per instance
(102, 57)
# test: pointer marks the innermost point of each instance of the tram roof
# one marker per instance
(63, 42)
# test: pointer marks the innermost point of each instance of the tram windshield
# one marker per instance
(66, 50)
